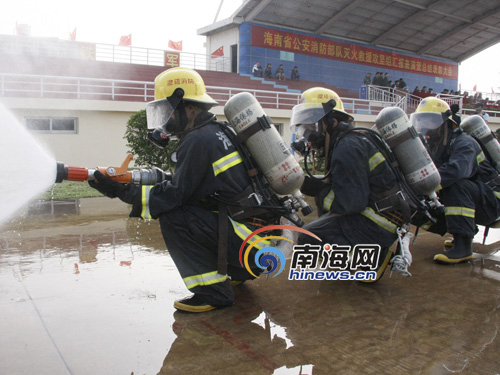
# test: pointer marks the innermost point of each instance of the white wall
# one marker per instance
(226, 39)
(102, 124)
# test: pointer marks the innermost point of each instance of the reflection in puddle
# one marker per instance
(104, 286)
(274, 328)
(493, 235)
(299, 370)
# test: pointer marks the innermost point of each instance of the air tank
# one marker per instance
(412, 156)
(477, 127)
(264, 143)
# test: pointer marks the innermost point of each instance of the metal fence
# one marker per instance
(56, 87)
(38, 86)
(54, 47)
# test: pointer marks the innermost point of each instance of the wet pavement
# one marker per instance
(86, 290)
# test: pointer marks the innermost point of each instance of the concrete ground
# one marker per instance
(86, 290)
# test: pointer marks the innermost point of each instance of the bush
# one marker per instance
(145, 153)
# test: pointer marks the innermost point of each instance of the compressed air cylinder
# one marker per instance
(412, 156)
(477, 127)
(264, 143)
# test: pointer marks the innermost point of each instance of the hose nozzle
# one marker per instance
(119, 174)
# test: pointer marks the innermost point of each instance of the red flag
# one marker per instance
(175, 45)
(218, 52)
(474, 88)
(492, 91)
(72, 35)
(126, 40)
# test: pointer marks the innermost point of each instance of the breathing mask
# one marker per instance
(159, 114)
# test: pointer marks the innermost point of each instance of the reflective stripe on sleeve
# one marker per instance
(228, 161)
(328, 201)
(146, 189)
(208, 278)
(460, 211)
(480, 157)
(375, 160)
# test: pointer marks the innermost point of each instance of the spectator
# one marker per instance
(295, 73)
(280, 73)
(402, 84)
(378, 79)
(416, 91)
(268, 73)
(431, 91)
(479, 110)
(454, 113)
(385, 80)
(368, 79)
(257, 70)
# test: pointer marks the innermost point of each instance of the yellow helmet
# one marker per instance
(430, 114)
(316, 103)
(429, 119)
(187, 79)
(173, 88)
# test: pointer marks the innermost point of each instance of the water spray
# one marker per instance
(119, 174)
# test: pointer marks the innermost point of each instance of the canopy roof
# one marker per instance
(448, 29)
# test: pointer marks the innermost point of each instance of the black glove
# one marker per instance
(113, 189)
(312, 187)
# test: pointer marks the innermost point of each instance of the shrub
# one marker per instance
(145, 153)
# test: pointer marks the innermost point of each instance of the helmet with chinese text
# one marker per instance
(432, 119)
(174, 88)
(315, 104)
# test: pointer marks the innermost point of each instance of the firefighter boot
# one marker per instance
(461, 251)
(383, 261)
(197, 304)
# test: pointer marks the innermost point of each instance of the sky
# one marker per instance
(152, 23)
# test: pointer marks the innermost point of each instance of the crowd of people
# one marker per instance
(279, 73)
(382, 79)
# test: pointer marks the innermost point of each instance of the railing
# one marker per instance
(37, 86)
(23, 85)
(53, 47)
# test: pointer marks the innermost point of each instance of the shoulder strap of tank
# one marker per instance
(408, 197)
(257, 199)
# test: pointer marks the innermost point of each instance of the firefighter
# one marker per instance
(359, 177)
(469, 183)
(209, 170)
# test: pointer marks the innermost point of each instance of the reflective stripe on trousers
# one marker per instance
(208, 278)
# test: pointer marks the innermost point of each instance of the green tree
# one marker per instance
(145, 153)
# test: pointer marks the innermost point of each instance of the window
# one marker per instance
(54, 125)
(279, 127)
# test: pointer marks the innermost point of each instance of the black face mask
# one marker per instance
(172, 129)
(316, 141)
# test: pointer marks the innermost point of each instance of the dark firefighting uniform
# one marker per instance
(360, 176)
(469, 186)
(208, 164)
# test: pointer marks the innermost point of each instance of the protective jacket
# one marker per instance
(469, 186)
(360, 178)
(208, 166)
